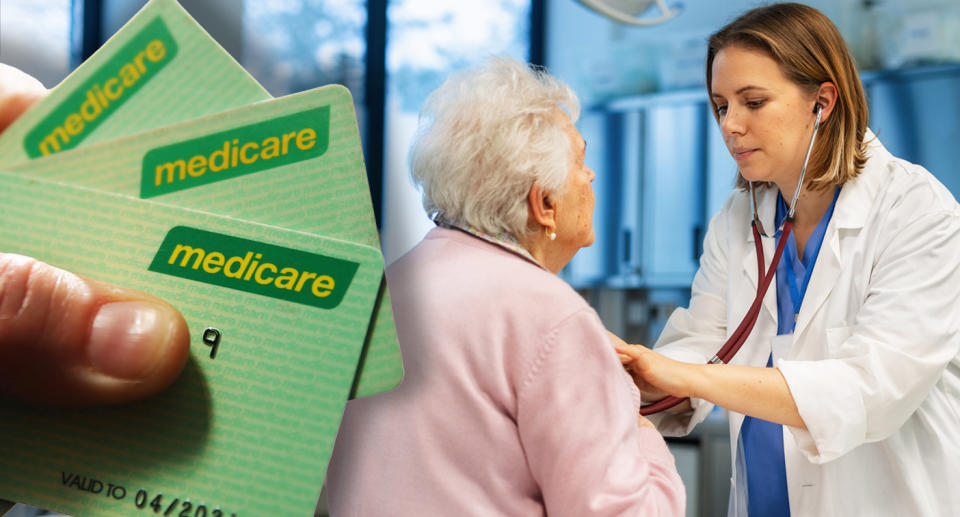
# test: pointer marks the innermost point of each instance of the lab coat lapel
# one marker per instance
(825, 272)
(849, 215)
(766, 208)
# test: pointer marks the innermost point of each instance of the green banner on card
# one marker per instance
(108, 88)
(228, 154)
(254, 267)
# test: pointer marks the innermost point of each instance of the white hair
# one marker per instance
(486, 136)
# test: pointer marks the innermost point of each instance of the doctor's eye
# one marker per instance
(721, 110)
(755, 104)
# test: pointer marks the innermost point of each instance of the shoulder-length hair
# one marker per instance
(486, 136)
(810, 52)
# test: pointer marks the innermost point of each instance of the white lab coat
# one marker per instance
(874, 365)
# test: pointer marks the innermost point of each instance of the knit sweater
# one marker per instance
(513, 401)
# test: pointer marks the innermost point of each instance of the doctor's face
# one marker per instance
(765, 118)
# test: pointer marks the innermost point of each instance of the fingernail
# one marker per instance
(127, 338)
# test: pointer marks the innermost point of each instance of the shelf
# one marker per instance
(914, 72)
(688, 95)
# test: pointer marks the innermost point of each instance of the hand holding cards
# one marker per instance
(254, 221)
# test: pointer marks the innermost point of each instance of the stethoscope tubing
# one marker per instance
(739, 336)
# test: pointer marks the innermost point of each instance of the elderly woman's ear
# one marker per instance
(543, 213)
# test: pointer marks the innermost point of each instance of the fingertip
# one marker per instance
(136, 348)
(67, 340)
(18, 91)
(128, 339)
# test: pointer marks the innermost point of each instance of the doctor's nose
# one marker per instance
(731, 122)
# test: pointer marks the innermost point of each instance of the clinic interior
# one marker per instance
(662, 168)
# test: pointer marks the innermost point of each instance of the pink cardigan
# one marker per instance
(513, 401)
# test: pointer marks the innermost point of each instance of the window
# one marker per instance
(426, 41)
(294, 45)
(35, 37)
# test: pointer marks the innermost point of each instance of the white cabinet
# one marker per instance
(916, 115)
(663, 159)
(671, 193)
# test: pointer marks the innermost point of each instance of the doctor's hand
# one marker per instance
(657, 374)
(646, 396)
(72, 341)
(648, 392)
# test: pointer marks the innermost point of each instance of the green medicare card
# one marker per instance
(293, 162)
(192, 76)
(277, 319)
(160, 68)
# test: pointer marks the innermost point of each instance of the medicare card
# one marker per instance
(277, 320)
(158, 69)
(293, 162)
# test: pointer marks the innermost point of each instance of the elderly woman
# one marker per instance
(513, 401)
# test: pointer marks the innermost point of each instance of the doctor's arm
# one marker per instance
(755, 391)
(693, 334)
(877, 371)
(903, 337)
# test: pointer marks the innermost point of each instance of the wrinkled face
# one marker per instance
(575, 206)
(765, 118)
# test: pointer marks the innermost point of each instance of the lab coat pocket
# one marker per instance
(836, 337)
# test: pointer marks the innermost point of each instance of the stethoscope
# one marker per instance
(739, 336)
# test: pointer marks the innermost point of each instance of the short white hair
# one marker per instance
(485, 137)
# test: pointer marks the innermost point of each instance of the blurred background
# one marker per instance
(662, 168)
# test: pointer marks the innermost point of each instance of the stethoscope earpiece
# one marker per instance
(818, 109)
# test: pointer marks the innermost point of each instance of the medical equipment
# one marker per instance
(739, 336)
(628, 11)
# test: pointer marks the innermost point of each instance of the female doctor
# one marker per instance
(845, 398)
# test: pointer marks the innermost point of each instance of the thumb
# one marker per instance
(18, 91)
(73, 341)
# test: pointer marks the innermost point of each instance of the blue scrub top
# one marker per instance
(793, 273)
(762, 441)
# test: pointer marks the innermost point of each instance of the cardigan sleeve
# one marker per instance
(577, 419)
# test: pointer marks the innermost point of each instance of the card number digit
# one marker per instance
(211, 338)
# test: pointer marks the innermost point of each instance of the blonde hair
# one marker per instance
(486, 136)
(810, 52)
